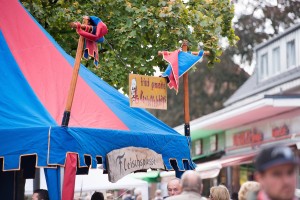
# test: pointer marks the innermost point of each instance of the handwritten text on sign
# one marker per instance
(127, 160)
(147, 92)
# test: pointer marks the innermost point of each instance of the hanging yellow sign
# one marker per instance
(147, 92)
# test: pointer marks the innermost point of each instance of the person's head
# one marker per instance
(158, 193)
(247, 188)
(276, 172)
(174, 187)
(87, 18)
(127, 194)
(137, 192)
(40, 194)
(109, 196)
(97, 196)
(191, 182)
(219, 193)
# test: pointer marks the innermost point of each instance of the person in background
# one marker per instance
(127, 196)
(109, 196)
(219, 193)
(174, 187)
(97, 196)
(276, 171)
(137, 193)
(158, 195)
(191, 184)
(247, 189)
(234, 196)
(40, 194)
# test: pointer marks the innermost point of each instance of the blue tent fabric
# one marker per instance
(53, 182)
(19, 142)
(20, 106)
(97, 143)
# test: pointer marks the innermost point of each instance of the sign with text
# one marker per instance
(147, 92)
(247, 137)
(280, 131)
(122, 162)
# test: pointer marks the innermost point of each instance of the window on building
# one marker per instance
(264, 65)
(198, 147)
(213, 143)
(291, 54)
(276, 60)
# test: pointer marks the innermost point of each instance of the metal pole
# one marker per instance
(36, 180)
(229, 179)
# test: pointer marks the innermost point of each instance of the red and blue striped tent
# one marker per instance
(35, 74)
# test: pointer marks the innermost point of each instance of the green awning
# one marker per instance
(150, 177)
(208, 157)
(199, 134)
(200, 156)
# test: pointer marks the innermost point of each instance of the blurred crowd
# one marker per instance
(276, 175)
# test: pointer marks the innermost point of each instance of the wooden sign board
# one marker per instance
(147, 92)
(122, 162)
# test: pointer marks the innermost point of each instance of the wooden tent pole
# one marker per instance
(79, 52)
(186, 101)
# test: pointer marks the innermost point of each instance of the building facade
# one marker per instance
(264, 111)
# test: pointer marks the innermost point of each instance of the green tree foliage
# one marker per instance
(209, 89)
(138, 29)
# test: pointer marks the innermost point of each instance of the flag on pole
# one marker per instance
(179, 63)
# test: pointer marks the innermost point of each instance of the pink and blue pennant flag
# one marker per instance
(179, 63)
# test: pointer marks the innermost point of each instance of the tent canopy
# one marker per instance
(35, 77)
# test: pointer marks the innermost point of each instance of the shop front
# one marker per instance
(264, 111)
(246, 141)
(242, 138)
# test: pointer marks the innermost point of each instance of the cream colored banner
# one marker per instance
(147, 92)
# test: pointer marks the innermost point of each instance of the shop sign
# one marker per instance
(280, 131)
(121, 162)
(247, 137)
(147, 92)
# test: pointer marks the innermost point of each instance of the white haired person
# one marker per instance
(191, 184)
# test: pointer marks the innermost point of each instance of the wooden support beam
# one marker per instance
(79, 52)
(186, 101)
(206, 53)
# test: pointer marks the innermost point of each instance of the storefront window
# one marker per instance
(198, 147)
(213, 143)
